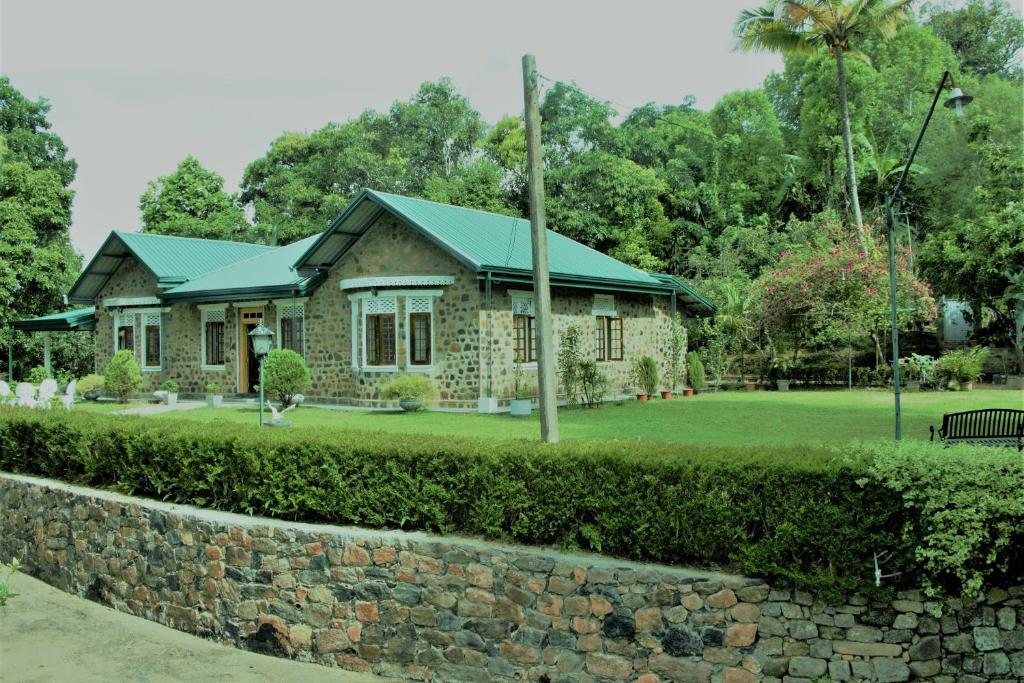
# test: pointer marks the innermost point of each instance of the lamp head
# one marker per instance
(262, 339)
(957, 100)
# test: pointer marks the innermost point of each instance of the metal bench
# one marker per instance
(988, 427)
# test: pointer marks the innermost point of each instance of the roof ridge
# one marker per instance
(119, 233)
(449, 206)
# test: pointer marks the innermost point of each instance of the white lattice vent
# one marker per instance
(215, 316)
(522, 305)
(420, 304)
(151, 319)
(292, 310)
(374, 306)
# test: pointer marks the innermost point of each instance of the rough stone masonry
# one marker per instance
(440, 609)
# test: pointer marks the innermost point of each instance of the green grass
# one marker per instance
(106, 407)
(730, 418)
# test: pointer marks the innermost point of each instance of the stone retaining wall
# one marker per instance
(443, 609)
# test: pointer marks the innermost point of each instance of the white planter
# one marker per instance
(520, 407)
(214, 401)
(172, 398)
(783, 384)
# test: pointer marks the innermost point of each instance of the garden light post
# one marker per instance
(262, 338)
(956, 101)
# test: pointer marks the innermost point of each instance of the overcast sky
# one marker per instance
(136, 86)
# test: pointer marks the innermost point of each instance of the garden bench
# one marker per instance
(988, 427)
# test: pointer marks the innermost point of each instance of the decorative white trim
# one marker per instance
(120, 301)
(354, 303)
(392, 293)
(280, 305)
(382, 302)
(604, 304)
(397, 281)
(118, 317)
(522, 303)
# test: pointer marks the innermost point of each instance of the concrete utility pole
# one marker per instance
(539, 241)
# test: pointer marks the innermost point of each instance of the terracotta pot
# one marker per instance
(687, 392)
(641, 397)
(666, 395)
(751, 385)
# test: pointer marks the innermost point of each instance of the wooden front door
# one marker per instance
(249, 370)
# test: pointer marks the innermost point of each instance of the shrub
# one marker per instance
(695, 371)
(213, 388)
(593, 382)
(170, 386)
(798, 516)
(676, 346)
(961, 365)
(644, 374)
(37, 375)
(89, 383)
(964, 509)
(570, 356)
(285, 374)
(410, 387)
(122, 378)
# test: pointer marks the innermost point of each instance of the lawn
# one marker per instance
(727, 418)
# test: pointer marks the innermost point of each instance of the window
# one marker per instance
(124, 332)
(609, 338)
(213, 338)
(525, 337)
(419, 333)
(291, 325)
(151, 340)
(380, 339)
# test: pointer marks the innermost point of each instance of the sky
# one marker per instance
(135, 86)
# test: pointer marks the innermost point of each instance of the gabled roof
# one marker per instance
(483, 242)
(79, 320)
(267, 273)
(171, 260)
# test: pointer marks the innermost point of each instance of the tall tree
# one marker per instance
(191, 202)
(37, 261)
(986, 35)
(805, 26)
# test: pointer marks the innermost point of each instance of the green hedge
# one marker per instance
(809, 518)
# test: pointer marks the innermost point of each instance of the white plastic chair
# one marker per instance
(6, 396)
(68, 397)
(26, 395)
(47, 390)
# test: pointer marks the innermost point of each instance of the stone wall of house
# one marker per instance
(646, 330)
(392, 248)
(131, 280)
(447, 609)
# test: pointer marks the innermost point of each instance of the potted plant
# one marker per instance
(783, 369)
(666, 394)
(90, 387)
(410, 390)
(645, 376)
(171, 387)
(960, 369)
(214, 399)
(522, 404)
(750, 384)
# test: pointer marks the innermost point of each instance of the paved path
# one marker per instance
(49, 636)
(160, 408)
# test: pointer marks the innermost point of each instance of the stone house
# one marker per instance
(394, 285)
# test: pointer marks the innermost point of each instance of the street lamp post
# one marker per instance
(262, 338)
(957, 99)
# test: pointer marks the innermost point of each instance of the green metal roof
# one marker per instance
(269, 272)
(687, 293)
(171, 260)
(482, 241)
(81, 319)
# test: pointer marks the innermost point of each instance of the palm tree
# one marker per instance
(793, 27)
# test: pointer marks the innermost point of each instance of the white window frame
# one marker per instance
(118, 317)
(359, 333)
(362, 333)
(204, 309)
(279, 306)
(143, 313)
(523, 304)
(409, 366)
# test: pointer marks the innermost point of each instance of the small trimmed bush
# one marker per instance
(285, 375)
(213, 388)
(122, 378)
(695, 372)
(37, 375)
(89, 383)
(410, 387)
(170, 386)
(644, 374)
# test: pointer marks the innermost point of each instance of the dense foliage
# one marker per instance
(122, 377)
(806, 517)
(284, 375)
